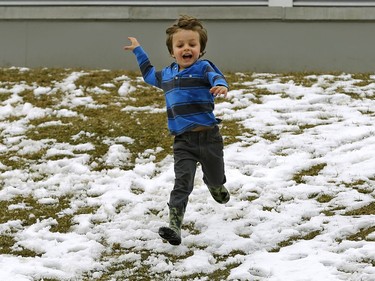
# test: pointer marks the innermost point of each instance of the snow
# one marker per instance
(245, 234)
(126, 88)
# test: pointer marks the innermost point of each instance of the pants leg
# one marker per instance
(185, 165)
(205, 147)
(212, 158)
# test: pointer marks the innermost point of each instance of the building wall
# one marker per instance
(241, 38)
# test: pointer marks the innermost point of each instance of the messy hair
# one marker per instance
(187, 23)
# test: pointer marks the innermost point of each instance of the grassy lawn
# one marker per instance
(99, 114)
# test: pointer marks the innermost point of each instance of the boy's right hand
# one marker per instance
(134, 44)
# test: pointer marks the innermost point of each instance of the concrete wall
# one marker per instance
(262, 39)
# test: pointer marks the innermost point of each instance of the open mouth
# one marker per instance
(187, 56)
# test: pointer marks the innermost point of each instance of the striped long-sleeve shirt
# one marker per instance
(188, 99)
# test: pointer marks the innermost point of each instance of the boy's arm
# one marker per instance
(147, 69)
(217, 80)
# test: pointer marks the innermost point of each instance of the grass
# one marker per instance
(365, 210)
(108, 121)
(98, 125)
(309, 236)
(28, 211)
(314, 170)
(362, 234)
(302, 128)
(300, 78)
(360, 185)
(232, 129)
(40, 76)
(325, 198)
(139, 270)
(102, 122)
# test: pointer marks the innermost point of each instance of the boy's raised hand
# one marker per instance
(134, 44)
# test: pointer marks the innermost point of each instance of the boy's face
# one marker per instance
(186, 47)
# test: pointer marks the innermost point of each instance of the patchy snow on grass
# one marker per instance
(301, 142)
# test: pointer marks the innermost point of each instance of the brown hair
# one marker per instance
(187, 23)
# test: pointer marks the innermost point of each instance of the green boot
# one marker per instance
(173, 233)
(219, 193)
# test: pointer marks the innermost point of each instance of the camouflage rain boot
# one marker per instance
(219, 193)
(173, 233)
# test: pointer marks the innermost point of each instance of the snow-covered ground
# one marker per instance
(274, 227)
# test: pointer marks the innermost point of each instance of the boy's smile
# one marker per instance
(187, 56)
(186, 47)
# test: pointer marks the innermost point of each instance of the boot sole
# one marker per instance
(169, 235)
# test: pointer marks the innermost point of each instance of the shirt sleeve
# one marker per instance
(214, 75)
(150, 75)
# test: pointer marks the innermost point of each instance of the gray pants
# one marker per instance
(190, 148)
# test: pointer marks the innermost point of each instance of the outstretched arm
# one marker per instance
(147, 70)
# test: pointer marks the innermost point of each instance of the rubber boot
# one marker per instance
(173, 233)
(219, 193)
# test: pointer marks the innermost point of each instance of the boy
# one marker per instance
(189, 85)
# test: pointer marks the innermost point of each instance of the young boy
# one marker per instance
(189, 85)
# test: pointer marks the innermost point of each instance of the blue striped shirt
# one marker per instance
(187, 93)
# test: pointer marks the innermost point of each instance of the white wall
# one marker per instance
(240, 38)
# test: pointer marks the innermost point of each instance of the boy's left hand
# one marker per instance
(219, 90)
